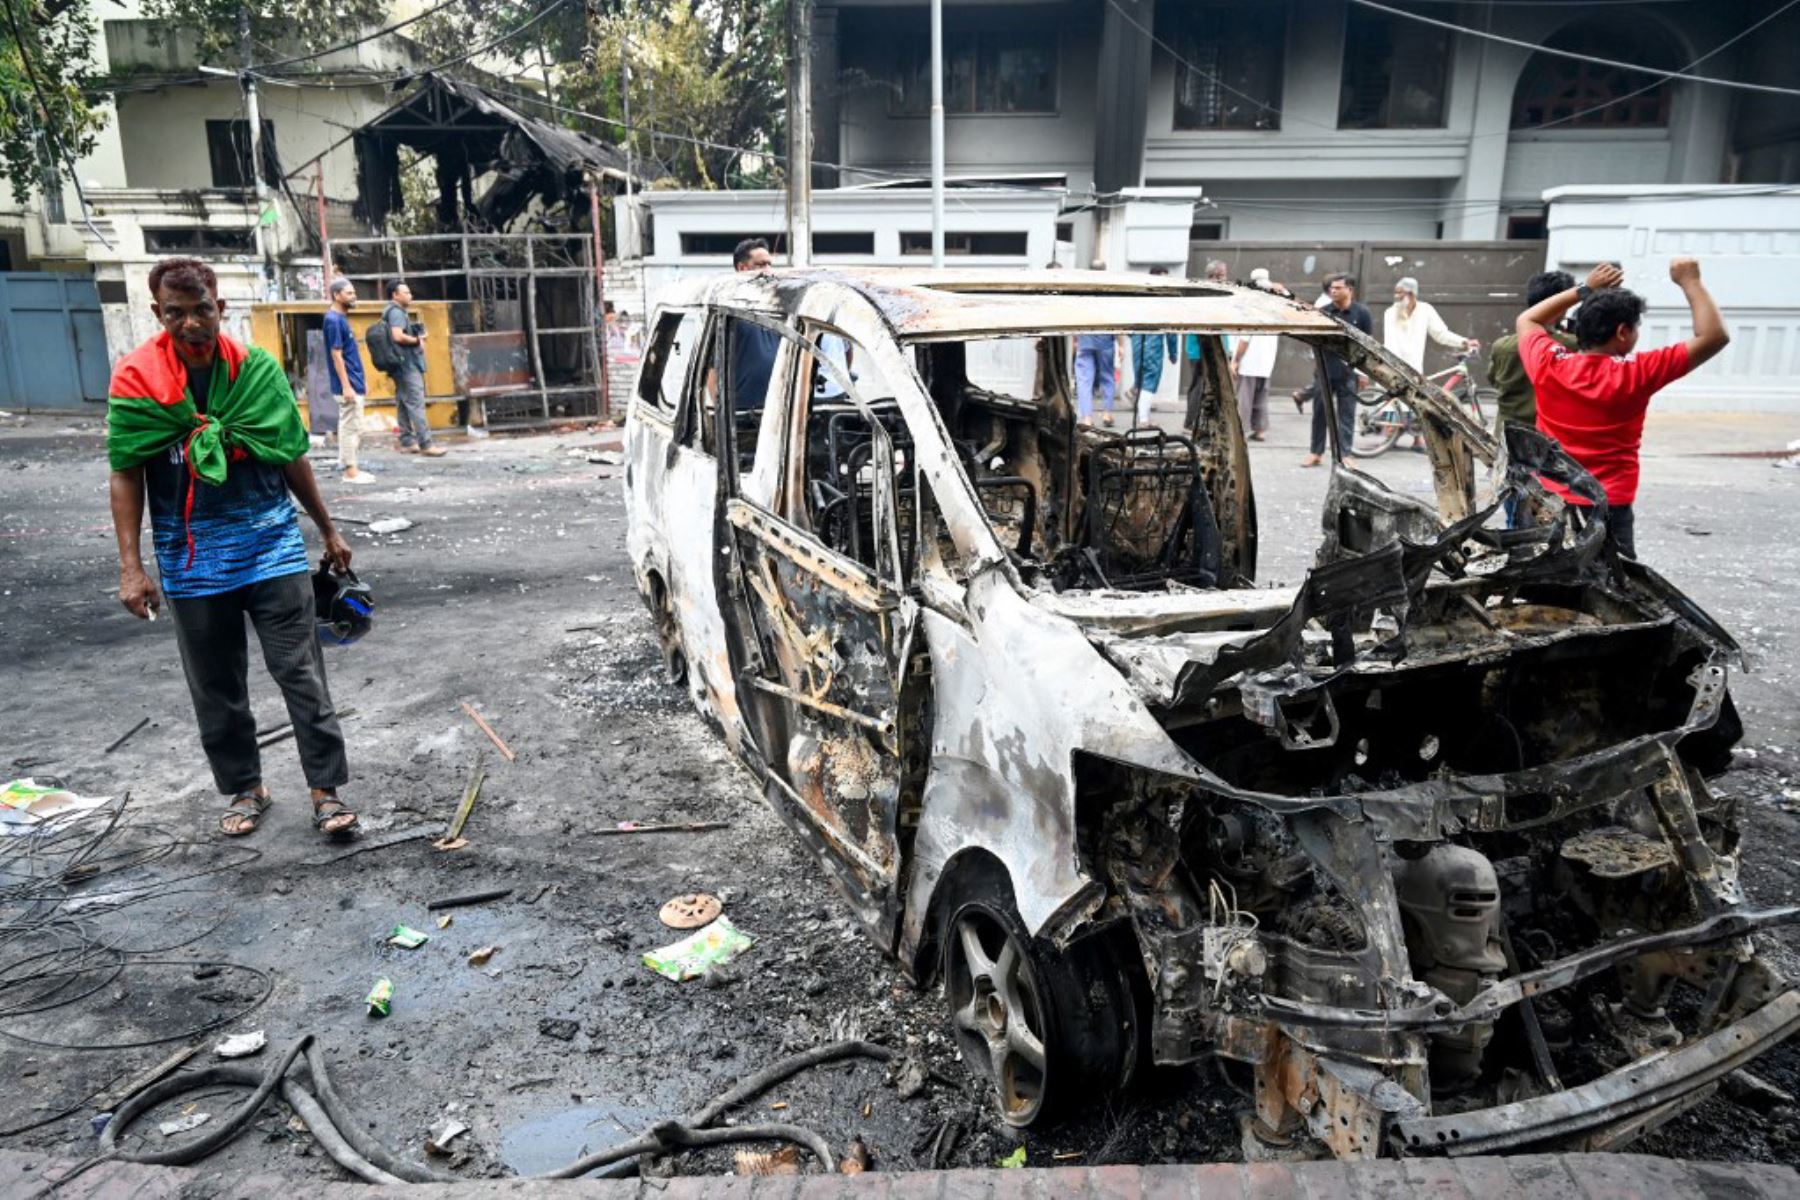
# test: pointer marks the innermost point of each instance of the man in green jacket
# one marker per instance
(1506, 374)
(208, 435)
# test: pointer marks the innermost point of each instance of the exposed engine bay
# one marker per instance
(1448, 763)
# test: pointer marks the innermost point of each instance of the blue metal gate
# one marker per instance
(52, 341)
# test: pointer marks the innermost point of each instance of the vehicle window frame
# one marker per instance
(652, 405)
(692, 423)
(888, 572)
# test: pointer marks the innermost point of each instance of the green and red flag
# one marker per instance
(250, 413)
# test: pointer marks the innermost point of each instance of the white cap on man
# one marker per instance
(1259, 275)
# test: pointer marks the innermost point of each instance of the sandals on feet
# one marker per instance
(244, 814)
(330, 809)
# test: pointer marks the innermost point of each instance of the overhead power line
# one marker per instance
(1741, 85)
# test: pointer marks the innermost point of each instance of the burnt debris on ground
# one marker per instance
(477, 605)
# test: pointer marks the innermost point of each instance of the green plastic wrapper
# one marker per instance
(407, 938)
(381, 996)
(700, 951)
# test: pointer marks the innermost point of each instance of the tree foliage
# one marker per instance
(47, 115)
(704, 75)
(278, 28)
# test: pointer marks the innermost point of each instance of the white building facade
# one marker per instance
(170, 174)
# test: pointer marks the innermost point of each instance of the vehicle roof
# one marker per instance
(924, 304)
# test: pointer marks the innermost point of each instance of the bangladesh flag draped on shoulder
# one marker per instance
(250, 413)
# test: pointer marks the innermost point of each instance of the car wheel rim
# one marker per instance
(997, 1015)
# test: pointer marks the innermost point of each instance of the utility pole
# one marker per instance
(937, 133)
(630, 161)
(799, 157)
(253, 113)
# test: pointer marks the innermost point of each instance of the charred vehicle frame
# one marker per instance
(1421, 851)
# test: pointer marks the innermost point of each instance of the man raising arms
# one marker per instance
(1593, 399)
(208, 433)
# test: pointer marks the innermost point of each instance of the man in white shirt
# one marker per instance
(1251, 365)
(1406, 325)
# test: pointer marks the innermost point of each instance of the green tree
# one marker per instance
(277, 28)
(47, 115)
(711, 73)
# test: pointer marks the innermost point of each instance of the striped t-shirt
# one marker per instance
(245, 530)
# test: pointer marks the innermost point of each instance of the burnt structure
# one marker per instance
(516, 252)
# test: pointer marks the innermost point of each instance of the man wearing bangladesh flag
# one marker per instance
(208, 433)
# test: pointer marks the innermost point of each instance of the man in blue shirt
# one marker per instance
(752, 347)
(229, 552)
(346, 371)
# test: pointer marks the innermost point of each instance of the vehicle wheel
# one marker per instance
(1378, 428)
(668, 633)
(1046, 1027)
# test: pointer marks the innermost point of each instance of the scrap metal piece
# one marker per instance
(1632, 1089)
(1614, 852)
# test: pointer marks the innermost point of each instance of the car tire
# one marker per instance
(668, 634)
(1047, 1027)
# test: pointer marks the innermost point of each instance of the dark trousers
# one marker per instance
(210, 631)
(1621, 529)
(1344, 395)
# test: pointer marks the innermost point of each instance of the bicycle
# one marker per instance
(1383, 418)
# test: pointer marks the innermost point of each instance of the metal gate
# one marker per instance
(52, 341)
(1477, 287)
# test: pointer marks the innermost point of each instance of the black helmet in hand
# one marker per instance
(344, 605)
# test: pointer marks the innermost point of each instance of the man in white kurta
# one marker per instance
(1410, 321)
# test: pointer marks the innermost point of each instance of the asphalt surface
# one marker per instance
(511, 592)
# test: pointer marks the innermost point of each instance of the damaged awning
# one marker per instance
(471, 134)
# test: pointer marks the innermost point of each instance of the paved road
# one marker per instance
(1527, 1177)
(511, 592)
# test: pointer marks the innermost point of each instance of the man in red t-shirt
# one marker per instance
(1592, 399)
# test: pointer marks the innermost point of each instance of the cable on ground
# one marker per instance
(346, 1141)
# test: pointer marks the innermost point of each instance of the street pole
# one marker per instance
(937, 133)
(799, 133)
(630, 162)
(599, 313)
(324, 232)
(253, 114)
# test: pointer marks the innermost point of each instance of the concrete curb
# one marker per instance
(1530, 1177)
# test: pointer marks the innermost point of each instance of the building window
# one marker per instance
(1230, 57)
(1206, 231)
(706, 245)
(1396, 73)
(6, 255)
(199, 239)
(1526, 227)
(987, 71)
(228, 148)
(833, 242)
(983, 244)
(1570, 94)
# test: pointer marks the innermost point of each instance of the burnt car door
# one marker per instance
(687, 502)
(822, 631)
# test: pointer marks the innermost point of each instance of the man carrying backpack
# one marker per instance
(400, 342)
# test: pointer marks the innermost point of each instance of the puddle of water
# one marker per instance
(559, 1138)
